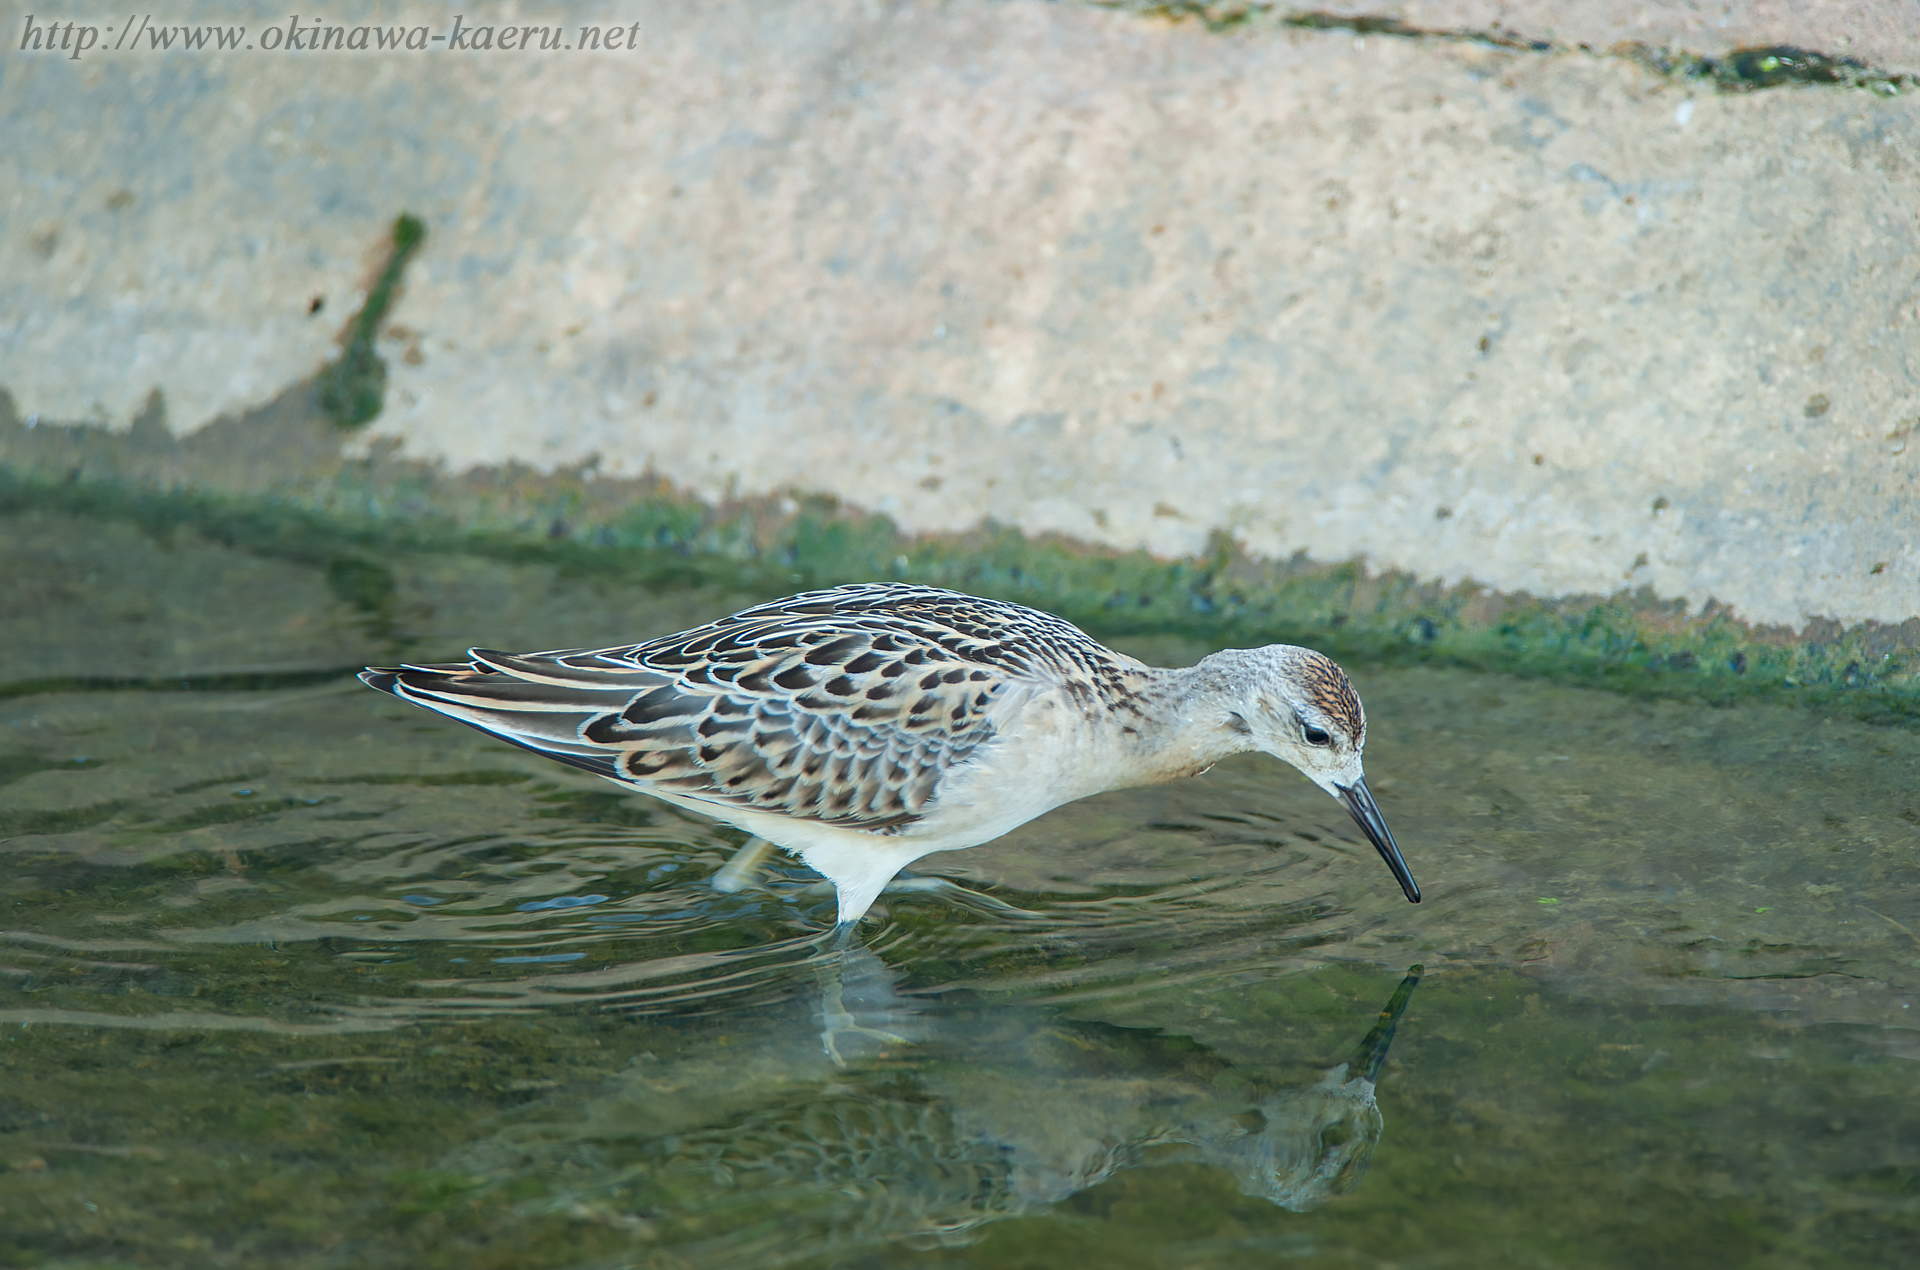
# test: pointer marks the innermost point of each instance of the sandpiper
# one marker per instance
(864, 726)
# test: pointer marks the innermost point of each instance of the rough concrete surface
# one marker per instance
(1550, 321)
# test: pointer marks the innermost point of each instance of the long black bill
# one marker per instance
(1366, 814)
(1373, 1050)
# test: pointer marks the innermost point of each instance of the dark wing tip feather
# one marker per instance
(599, 764)
(397, 679)
(391, 678)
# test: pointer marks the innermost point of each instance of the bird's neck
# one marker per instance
(1181, 729)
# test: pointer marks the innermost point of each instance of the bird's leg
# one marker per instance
(743, 870)
(852, 971)
(912, 884)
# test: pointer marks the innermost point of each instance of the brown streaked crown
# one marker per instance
(1328, 689)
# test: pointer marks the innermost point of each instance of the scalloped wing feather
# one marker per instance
(845, 707)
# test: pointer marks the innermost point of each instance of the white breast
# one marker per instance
(1045, 752)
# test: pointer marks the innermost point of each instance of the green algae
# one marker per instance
(649, 536)
(1775, 66)
(352, 389)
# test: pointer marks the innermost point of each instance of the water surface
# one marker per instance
(294, 974)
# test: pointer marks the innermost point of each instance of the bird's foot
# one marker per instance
(872, 1042)
(856, 986)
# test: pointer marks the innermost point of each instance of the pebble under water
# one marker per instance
(295, 975)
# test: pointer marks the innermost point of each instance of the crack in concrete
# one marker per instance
(1743, 70)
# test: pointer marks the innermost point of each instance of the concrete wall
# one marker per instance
(1548, 320)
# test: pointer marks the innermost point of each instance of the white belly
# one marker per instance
(1044, 754)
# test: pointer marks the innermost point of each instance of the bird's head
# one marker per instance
(1297, 705)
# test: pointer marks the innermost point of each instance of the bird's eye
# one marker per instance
(1315, 736)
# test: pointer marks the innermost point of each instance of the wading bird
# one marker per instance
(865, 726)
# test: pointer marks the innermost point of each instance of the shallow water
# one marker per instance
(298, 975)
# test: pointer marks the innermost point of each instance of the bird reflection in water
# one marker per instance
(896, 1119)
